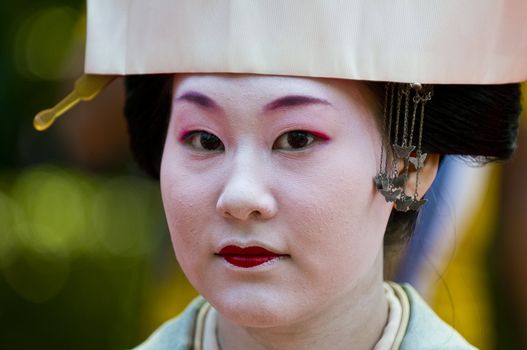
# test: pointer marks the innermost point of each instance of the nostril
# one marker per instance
(227, 214)
(241, 212)
(256, 214)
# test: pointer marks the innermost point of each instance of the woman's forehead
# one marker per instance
(266, 87)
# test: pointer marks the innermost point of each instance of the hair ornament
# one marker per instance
(391, 181)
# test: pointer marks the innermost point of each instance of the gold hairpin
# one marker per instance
(85, 89)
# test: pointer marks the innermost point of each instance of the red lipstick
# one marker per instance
(247, 257)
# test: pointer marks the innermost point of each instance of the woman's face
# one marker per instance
(267, 185)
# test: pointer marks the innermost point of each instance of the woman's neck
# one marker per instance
(356, 321)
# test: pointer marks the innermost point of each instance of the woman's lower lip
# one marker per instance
(248, 261)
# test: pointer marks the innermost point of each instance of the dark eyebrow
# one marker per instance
(198, 99)
(292, 101)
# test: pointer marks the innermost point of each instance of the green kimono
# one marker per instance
(425, 330)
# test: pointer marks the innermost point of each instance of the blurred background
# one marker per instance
(85, 257)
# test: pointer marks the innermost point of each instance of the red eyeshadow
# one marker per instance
(183, 134)
(320, 135)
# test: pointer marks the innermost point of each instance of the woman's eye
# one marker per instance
(294, 140)
(203, 141)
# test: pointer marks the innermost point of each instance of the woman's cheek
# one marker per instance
(337, 221)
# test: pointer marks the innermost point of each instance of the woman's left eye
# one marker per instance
(294, 140)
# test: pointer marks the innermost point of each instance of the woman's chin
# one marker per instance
(257, 311)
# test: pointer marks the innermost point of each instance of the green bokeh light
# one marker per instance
(55, 205)
(44, 42)
(37, 277)
(7, 226)
(124, 213)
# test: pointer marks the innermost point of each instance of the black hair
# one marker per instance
(148, 102)
(478, 122)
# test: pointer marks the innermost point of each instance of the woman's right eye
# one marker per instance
(203, 141)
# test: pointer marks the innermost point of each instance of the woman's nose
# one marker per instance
(246, 194)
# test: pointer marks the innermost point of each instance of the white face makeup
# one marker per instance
(280, 163)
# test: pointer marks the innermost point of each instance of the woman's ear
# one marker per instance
(427, 175)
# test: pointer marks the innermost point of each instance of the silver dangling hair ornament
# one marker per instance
(390, 181)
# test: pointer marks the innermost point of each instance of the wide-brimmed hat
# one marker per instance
(439, 42)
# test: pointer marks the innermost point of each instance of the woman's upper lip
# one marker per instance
(247, 251)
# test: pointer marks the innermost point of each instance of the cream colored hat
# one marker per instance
(426, 41)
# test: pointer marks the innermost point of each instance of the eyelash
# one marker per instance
(216, 145)
(288, 137)
(190, 140)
